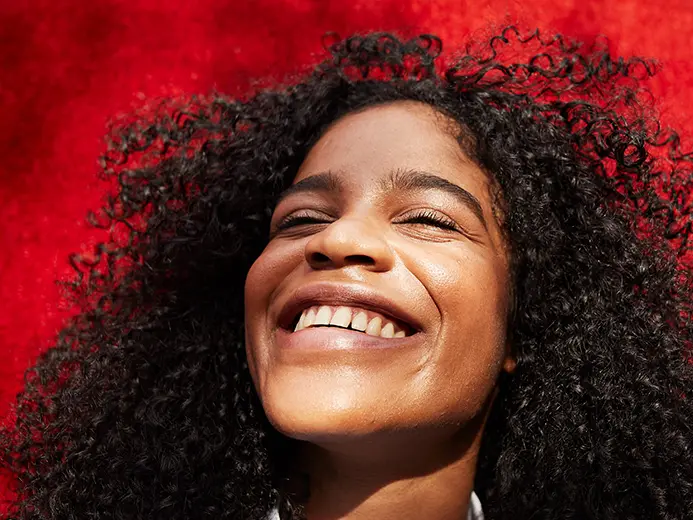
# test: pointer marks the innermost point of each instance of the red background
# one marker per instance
(67, 66)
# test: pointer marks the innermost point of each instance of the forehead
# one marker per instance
(366, 147)
(404, 135)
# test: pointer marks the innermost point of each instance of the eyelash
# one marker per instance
(425, 217)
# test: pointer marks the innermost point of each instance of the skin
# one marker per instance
(389, 433)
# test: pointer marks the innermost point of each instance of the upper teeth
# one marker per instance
(369, 322)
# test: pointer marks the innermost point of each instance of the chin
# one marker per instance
(303, 418)
(324, 429)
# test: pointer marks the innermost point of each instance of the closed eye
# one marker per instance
(429, 217)
(424, 217)
(297, 220)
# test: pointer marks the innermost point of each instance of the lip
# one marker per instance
(335, 339)
(350, 295)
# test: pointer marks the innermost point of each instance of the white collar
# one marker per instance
(473, 513)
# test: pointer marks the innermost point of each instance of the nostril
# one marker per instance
(319, 258)
(359, 260)
(322, 259)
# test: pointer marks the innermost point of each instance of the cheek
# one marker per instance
(266, 275)
(264, 278)
(470, 291)
(468, 286)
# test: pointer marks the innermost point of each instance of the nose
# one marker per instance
(350, 241)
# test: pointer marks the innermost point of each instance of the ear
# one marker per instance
(510, 362)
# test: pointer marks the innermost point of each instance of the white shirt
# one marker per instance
(473, 513)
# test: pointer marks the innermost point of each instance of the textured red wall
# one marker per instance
(67, 66)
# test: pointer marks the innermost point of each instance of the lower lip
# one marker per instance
(332, 338)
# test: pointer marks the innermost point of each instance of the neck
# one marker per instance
(394, 476)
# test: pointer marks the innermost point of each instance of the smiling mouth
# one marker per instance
(355, 319)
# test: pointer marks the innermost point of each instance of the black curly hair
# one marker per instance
(145, 408)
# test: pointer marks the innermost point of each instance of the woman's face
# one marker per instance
(362, 254)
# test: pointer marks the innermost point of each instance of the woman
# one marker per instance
(395, 289)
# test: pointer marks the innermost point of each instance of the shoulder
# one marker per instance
(473, 513)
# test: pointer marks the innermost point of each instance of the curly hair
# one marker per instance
(144, 407)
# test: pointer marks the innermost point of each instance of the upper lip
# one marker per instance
(350, 295)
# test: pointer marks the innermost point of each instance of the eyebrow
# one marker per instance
(397, 180)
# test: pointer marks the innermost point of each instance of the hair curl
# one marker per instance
(144, 408)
